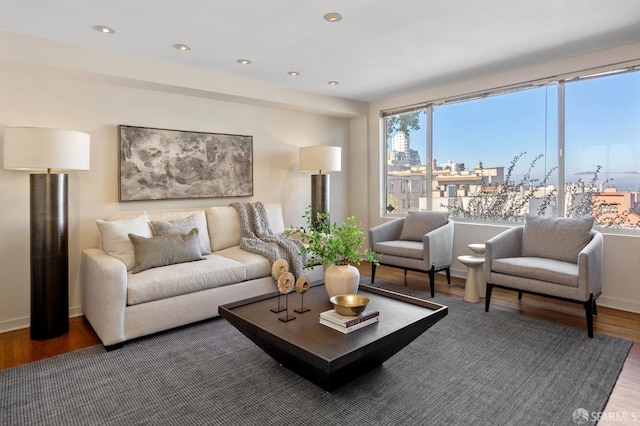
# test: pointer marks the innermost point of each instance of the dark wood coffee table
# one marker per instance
(325, 356)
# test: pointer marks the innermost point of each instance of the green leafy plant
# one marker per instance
(332, 244)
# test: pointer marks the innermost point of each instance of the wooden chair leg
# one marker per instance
(487, 297)
(595, 308)
(432, 281)
(373, 272)
(519, 295)
(448, 272)
(588, 307)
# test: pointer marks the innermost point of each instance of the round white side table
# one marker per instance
(475, 277)
(479, 249)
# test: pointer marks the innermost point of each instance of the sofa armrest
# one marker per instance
(590, 261)
(438, 246)
(387, 231)
(104, 294)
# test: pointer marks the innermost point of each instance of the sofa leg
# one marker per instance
(432, 281)
(595, 308)
(448, 272)
(519, 295)
(487, 297)
(373, 272)
(588, 307)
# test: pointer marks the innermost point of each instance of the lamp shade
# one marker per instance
(42, 149)
(320, 159)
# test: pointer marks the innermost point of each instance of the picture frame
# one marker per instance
(164, 164)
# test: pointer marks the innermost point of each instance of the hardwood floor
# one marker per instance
(16, 347)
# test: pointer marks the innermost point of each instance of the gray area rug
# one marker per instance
(471, 368)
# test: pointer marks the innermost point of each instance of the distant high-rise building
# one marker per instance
(401, 151)
(400, 142)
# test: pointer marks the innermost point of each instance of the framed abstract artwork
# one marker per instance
(161, 164)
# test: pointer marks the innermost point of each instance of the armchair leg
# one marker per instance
(432, 281)
(373, 272)
(595, 308)
(519, 295)
(487, 297)
(448, 272)
(588, 307)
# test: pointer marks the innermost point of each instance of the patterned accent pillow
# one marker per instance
(419, 223)
(559, 238)
(165, 250)
(114, 235)
(180, 226)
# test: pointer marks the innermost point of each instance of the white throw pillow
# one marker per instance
(115, 237)
(224, 227)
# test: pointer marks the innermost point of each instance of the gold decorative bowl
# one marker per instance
(349, 304)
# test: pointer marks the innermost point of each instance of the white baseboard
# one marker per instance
(25, 322)
(623, 305)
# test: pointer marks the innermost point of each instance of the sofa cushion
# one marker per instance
(402, 248)
(114, 235)
(176, 216)
(257, 266)
(275, 217)
(163, 250)
(224, 227)
(182, 226)
(536, 268)
(419, 223)
(558, 238)
(183, 278)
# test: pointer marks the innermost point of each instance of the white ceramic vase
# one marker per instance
(341, 279)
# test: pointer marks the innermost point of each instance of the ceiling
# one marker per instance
(378, 50)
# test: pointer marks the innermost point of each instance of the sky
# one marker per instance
(602, 122)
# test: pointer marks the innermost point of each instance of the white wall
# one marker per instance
(37, 97)
(621, 286)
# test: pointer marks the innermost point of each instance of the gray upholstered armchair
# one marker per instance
(559, 258)
(423, 241)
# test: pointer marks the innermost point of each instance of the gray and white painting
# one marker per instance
(159, 164)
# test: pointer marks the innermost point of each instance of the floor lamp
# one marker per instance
(52, 152)
(319, 159)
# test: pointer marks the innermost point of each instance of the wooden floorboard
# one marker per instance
(17, 348)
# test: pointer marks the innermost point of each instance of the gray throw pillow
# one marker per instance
(165, 250)
(559, 238)
(418, 223)
(180, 226)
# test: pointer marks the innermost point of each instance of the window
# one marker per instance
(602, 145)
(405, 156)
(497, 156)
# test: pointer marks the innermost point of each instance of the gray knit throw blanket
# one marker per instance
(258, 238)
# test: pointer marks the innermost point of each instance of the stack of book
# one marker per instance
(347, 324)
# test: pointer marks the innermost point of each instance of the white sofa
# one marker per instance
(122, 305)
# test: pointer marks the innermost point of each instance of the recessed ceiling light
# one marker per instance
(244, 62)
(332, 17)
(333, 83)
(104, 29)
(293, 73)
(182, 47)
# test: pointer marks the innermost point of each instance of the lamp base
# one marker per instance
(319, 197)
(49, 256)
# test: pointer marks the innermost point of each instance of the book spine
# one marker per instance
(347, 330)
(350, 322)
